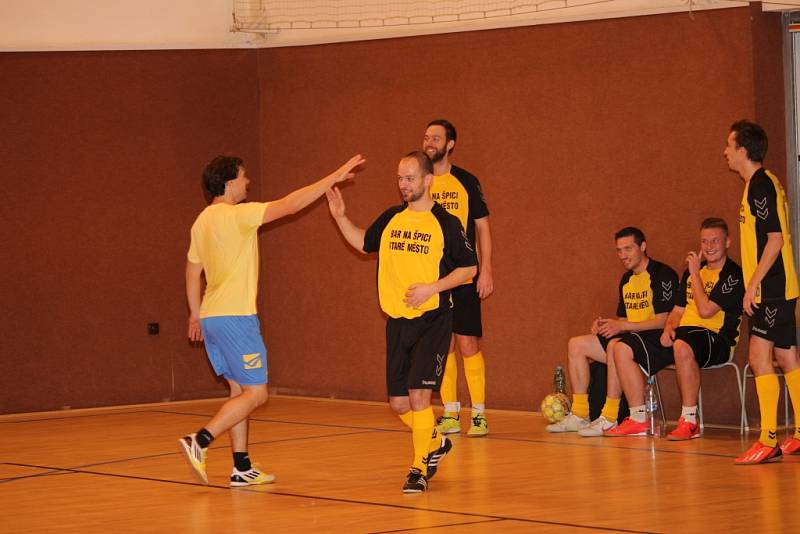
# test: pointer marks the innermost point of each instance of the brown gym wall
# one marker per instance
(575, 130)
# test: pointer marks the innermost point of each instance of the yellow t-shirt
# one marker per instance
(725, 287)
(225, 242)
(416, 247)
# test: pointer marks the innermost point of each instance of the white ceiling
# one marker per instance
(34, 25)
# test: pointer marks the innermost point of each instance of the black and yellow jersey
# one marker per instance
(725, 287)
(459, 192)
(416, 247)
(642, 296)
(763, 211)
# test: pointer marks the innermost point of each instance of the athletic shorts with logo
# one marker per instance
(709, 348)
(774, 321)
(467, 310)
(235, 348)
(416, 351)
(648, 351)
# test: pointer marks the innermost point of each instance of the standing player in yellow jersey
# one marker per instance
(422, 254)
(459, 192)
(703, 327)
(771, 287)
(224, 245)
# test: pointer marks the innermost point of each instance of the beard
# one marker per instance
(412, 196)
(438, 155)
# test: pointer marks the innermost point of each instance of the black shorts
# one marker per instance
(709, 348)
(648, 351)
(604, 341)
(467, 310)
(774, 321)
(416, 351)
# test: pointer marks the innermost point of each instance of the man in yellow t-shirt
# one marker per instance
(224, 245)
(703, 327)
(771, 288)
(423, 253)
(459, 192)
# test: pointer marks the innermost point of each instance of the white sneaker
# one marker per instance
(597, 427)
(571, 423)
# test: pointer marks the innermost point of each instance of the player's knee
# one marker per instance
(574, 348)
(621, 353)
(260, 395)
(399, 405)
(467, 345)
(683, 352)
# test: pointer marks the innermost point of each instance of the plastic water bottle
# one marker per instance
(559, 381)
(651, 408)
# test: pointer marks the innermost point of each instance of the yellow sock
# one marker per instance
(421, 432)
(475, 372)
(436, 441)
(407, 418)
(611, 409)
(793, 383)
(449, 390)
(580, 405)
(768, 390)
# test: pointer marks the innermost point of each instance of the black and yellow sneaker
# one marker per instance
(479, 427)
(415, 482)
(436, 457)
(447, 424)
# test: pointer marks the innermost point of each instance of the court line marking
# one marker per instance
(413, 529)
(176, 453)
(334, 499)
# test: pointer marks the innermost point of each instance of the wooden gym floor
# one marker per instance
(340, 466)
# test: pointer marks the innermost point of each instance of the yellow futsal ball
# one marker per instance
(555, 407)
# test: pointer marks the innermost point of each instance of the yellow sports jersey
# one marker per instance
(459, 192)
(763, 211)
(416, 247)
(725, 287)
(642, 296)
(225, 242)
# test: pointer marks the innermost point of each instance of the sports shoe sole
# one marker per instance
(201, 475)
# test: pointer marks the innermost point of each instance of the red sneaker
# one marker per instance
(628, 427)
(684, 431)
(791, 446)
(759, 454)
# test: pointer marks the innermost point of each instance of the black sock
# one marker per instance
(241, 461)
(204, 438)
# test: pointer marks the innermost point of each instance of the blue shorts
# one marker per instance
(235, 348)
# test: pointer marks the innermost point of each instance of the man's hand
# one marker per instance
(610, 327)
(417, 294)
(595, 329)
(693, 260)
(195, 332)
(345, 171)
(749, 301)
(485, 284)
(668, 336)
(335, 202)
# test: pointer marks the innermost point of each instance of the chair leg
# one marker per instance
(744, 397)
(660, 403)
(700, 408)
(743, 425)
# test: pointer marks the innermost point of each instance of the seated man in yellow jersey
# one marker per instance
(771, 288)
(459, 192)
(646, 295)
(224, 244)
(422, 254)
(703, 327)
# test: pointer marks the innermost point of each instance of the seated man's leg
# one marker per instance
(608, 415)
(581, 351)
(637, 355)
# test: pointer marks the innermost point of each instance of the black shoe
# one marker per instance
(416, 482)
(436, 457)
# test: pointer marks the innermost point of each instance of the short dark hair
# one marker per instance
(221, 170)
(714, 222)
(752, 138)
(449, 130)
(631, 231)
(425, 163)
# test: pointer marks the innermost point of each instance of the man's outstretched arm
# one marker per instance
(299, 199)
(352, 233)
